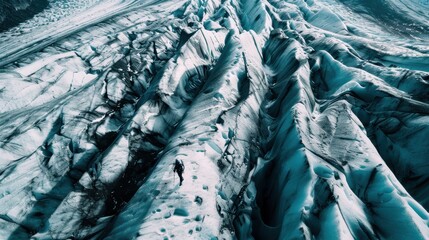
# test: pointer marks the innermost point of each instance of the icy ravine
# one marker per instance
(295, 119)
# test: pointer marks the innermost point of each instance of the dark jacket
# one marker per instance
(178, 166)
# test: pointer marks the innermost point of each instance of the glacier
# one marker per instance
(295, 119)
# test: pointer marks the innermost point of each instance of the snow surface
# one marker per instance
(294, 119)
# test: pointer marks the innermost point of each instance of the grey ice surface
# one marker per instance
(294, 119)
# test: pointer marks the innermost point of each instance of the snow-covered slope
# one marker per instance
(294, 119)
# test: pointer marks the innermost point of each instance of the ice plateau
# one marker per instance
(295, 119)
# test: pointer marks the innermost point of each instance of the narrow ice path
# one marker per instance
(174, 211)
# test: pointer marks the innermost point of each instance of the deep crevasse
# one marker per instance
(295, 119)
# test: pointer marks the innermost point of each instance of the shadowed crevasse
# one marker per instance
(293, 120)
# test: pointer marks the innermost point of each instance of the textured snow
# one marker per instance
(294, 119)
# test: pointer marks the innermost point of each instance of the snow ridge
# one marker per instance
(294, 119)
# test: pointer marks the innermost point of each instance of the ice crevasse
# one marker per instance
(294, 119)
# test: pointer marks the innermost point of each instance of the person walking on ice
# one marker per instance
(179, 168)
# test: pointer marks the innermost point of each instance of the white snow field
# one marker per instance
(295, 120)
